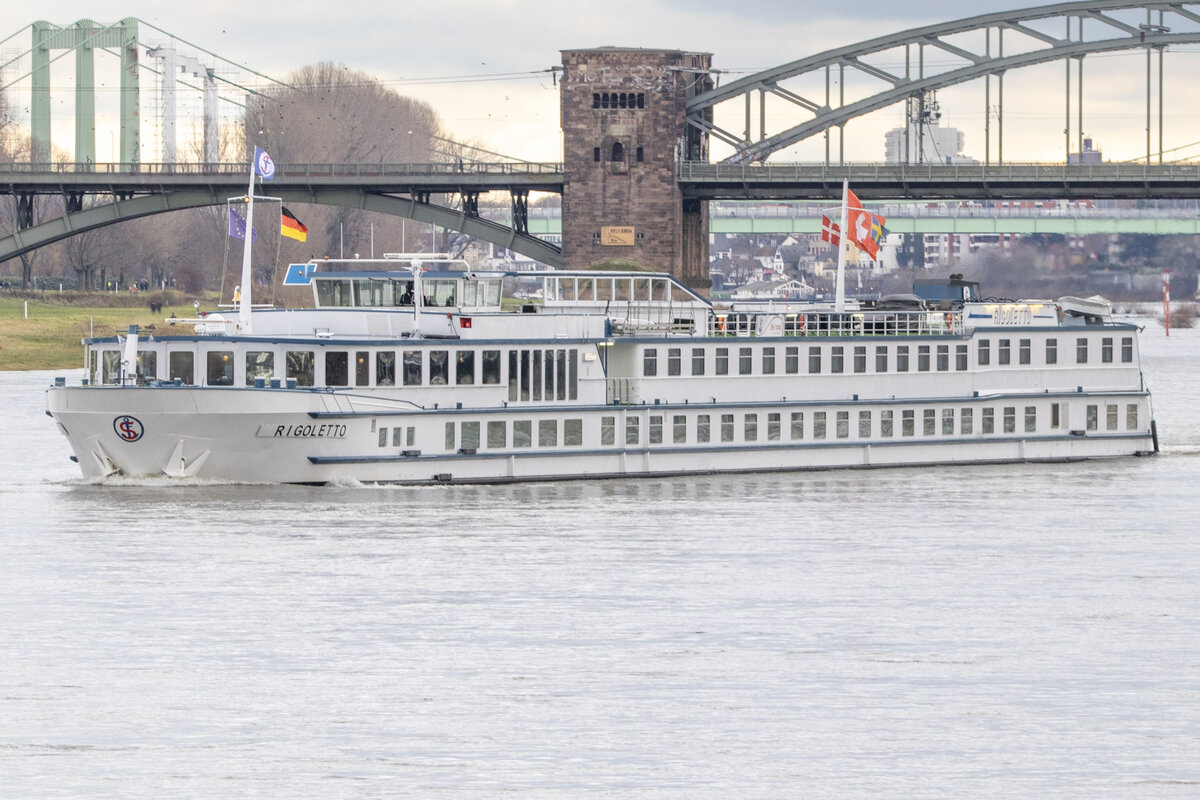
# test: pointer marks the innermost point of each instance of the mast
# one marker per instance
(244, 299)
(840, 292)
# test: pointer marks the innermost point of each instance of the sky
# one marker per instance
(483, 66)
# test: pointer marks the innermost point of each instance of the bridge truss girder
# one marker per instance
(99, 216)
(900, 87)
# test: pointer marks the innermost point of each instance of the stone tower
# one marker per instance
(624, 129)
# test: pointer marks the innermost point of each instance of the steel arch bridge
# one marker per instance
(1161, 29)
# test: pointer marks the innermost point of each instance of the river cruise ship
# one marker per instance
(420, 371)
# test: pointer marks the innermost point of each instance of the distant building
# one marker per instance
(1088, 156)
(923, 140)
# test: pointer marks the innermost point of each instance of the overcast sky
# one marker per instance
(477, 62)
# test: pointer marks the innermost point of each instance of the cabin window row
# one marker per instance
(1006, 350)
(813, 360)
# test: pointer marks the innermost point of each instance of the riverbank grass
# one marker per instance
(50, 337)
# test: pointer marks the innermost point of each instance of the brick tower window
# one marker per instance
(618, 152)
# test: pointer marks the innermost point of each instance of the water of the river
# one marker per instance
(1000, 631)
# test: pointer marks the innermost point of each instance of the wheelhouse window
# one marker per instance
(301, 366)
(146, 366)
(491, 366)
(220, 369)
(337, 368)
(464, 367)
(411, 366)
(362, 368)
(439, 367)
(385, 368)
(181, 366)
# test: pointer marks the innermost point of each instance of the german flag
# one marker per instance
(291, 227)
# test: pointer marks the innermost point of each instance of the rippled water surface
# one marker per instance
(997, 631)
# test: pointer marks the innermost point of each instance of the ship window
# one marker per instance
(674, 359)
(522, 433)
(908, 422)
(470, 436)
(1127, 349)
(497, 434)
(1023, 351)
(818, 424)
(901, 358)
(572, 374)
(745, 361)
(881, 358)
(397, 437)
(988, 421)
(383, 437)
(650, 362)
(464, 371)
(1081, 350)
(1131, 417)
(92, 356)
(337, 368)
(751, 428)
(1052, 351)
(439, 367)
(110, 366)
(679, 429)
(547, 433)
(814, 360)
(966, 422)
(524, 375)
(572, 432)
(697, 360)
(727, 427)
(960, 357)
(797, 425)
(656, 429)
(922, 358)
(412, 367)
(181, 365)
(608, 430)
(220, 369)
(703, 428)
(450, 437)
(947, 421)
(1106, 350)
(886, 423)
(773, 426)
(1093, 421)
(147, 366)
(837, 360)
(491, 366)
(1010, 419)
(860, 359)
(722, 361)
(1031, 418)
(943, 357)
(1055, 415)
(513, 374)
(1111, 416)
(929, 422)
(385, 368)
(843, 424)
(633, 431)
(985, 352)
(864, 424)
(791, 360)
(768, 361)
(362, 368)
(535, 380)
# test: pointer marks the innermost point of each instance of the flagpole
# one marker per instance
(244, 299)
(840, 293)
